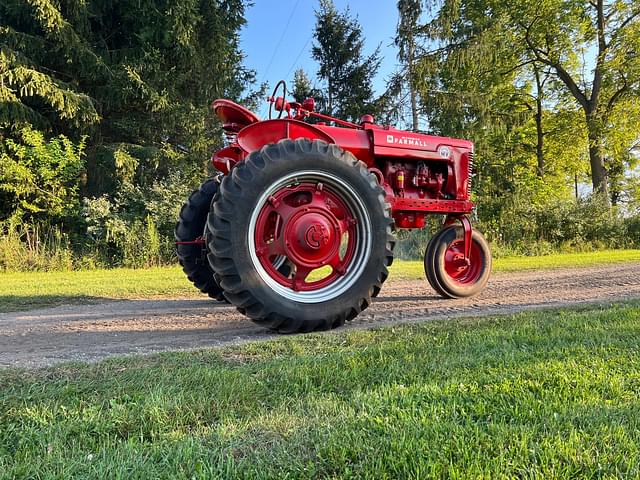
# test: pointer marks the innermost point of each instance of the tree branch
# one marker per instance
(616, 96)
(566, 78)
(522, 64)
(626, 22)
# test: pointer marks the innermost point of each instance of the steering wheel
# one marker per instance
(273, 98)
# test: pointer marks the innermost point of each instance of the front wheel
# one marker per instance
(318, 210)
(446, 269)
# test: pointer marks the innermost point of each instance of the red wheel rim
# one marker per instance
(458, 269)
(311, 226)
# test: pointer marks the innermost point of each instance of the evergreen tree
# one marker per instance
(409, 12)
(346, 72)
(135, 76)
(301, 86)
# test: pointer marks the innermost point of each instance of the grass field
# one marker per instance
(26, 290)
(552, 394)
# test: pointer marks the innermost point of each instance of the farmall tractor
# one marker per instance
(297, 231)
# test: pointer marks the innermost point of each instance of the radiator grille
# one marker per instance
(469, 174)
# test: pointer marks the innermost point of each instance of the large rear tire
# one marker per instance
(445, 268)
(191, 225)
(318, 207)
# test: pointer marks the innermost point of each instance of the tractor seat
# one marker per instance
(234, 117)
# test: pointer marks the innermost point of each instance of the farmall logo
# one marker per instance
(410, 141)
(443, 151)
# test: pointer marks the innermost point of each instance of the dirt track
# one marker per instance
(91, 332)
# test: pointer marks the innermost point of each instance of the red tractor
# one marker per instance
(298, 229)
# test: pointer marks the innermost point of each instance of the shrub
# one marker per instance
(40, 177)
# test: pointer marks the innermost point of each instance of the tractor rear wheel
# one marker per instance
(318, 208)
(190, 227)
(446, 269)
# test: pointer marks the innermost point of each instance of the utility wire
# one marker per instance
(275, 51)
(299, 55)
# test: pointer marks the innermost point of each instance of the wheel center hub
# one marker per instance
(312, 237)
(317, 235)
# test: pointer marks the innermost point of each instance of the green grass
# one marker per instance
(27, 290)
(552, 394)
(413, 270)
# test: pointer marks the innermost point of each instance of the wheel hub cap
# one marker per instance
(312, 238)
(461, 270)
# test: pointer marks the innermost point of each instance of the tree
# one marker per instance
(136, 77)
(303, 89)
(346, 72)
(301, 86)
(409, 12)
(40, 177)
(613, 30)
(560, 35)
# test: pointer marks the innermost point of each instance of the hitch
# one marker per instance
(198, 241)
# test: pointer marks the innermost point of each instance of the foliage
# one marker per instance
(110, 102)
(105, 125)
(342, 65)
(40, 178)
(539, 394)
(541, 227)
(303, 89)
(492, 46)
(150, 69)
(134, 226)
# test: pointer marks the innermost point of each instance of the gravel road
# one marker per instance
(94, 331)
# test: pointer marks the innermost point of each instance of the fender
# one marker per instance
(257, 135)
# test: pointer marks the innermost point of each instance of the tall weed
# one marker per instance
(40, 248)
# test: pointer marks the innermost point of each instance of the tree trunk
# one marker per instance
(540, 140)
(596, 156)
(412, 88)
(539, 131)
(414, 107)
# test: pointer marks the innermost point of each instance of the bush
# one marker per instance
(40, 178)
(125, 241)
(523, 228)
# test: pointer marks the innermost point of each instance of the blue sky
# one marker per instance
(267, 23)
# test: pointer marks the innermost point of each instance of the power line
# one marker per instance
(299, 54)
(284, 31)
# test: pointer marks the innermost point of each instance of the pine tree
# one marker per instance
(409, 12)
(301, 86)
(346, 72)
(135, 76)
